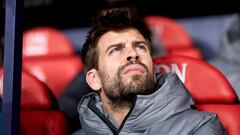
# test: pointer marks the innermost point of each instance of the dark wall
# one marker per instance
(77, 13)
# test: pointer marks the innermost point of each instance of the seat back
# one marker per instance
(56, 72)
(172, 36)
(34, 94)
(190, 52)
(42, 122)
(45, 41)
(49, 55)
(170, 32)
(39, 113)
(205, 82)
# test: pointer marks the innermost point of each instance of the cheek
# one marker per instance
(151, 68)
(149, 63)
(110, 67)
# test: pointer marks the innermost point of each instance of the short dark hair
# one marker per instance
(114, 17)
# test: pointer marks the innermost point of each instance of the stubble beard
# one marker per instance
(122, 92)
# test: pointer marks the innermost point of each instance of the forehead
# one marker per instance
(123, 36)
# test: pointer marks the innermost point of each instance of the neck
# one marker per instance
(118, 109)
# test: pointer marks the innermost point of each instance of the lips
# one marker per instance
(134, 69)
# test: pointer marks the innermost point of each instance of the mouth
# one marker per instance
(134, 69)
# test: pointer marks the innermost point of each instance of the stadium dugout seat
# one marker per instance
(45, 41)
(191, 52)
(39, 114)
(57, 72)
(210, 89)
(173, 36)
(49, 55)
(205, 82)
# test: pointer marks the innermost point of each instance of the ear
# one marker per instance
(93, 79)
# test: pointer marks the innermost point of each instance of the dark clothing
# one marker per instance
(167, 111)
(228, 61)
(69, 101)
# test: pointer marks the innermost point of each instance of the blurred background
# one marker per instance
(202, 24)
(73, 14)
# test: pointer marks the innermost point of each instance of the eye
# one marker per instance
(142, 47)
(114, 50)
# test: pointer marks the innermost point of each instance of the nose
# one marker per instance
(132, 55)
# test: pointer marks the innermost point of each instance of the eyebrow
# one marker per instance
(121, 44)
(138, 42)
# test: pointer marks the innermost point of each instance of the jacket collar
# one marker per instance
(169, 99)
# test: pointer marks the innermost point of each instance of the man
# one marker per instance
(129, 99)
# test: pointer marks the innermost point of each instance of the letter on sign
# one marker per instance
(174, 68)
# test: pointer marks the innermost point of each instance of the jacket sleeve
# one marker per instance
(211, 127)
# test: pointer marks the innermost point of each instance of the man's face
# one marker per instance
(125, 64)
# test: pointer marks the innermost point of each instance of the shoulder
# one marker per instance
(204, 123)
(190, 122)
(79, 132)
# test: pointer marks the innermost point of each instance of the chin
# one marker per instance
(134, 79)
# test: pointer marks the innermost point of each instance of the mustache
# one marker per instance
(133, 62)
